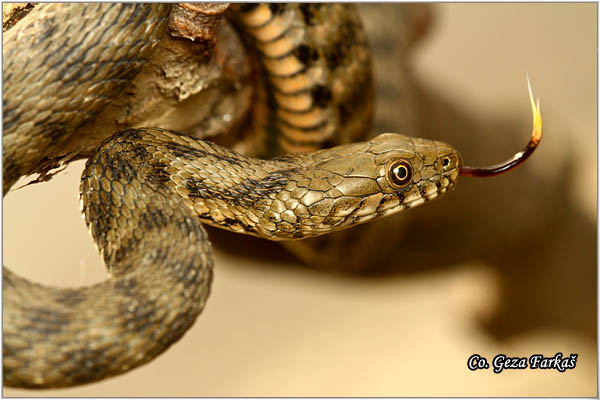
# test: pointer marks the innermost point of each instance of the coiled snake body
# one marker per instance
(146, 192)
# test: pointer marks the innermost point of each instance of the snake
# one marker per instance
(146, 192)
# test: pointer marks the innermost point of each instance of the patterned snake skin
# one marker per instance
(146, 192)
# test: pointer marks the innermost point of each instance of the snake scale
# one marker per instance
(146, 192)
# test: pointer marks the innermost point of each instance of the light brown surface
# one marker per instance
(284, 330)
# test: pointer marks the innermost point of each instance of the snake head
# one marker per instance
(355, 183)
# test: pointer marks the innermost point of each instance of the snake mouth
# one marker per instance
(423, 192)
(429, 191)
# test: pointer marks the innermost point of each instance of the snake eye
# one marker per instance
(399, 173)
(446, 162)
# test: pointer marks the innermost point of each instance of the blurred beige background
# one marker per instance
(273, 327)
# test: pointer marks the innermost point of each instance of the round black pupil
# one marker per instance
(446, 162)
(401, 172)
